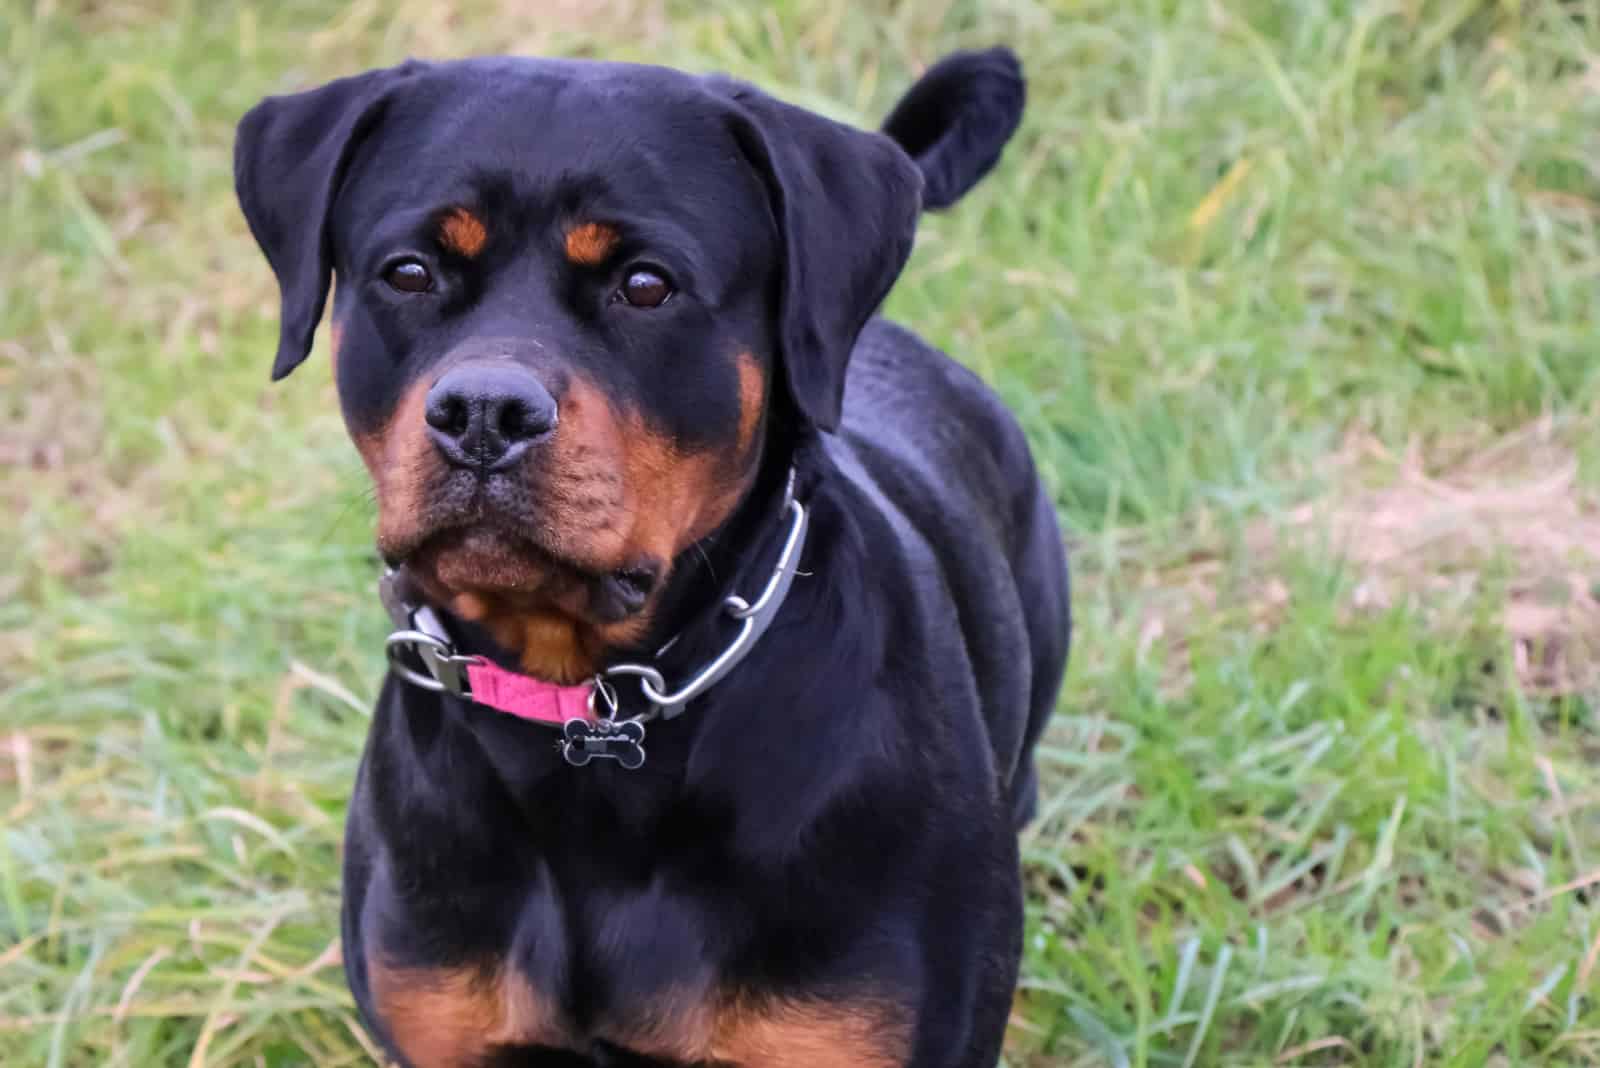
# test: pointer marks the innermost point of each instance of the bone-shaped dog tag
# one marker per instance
(622, 742)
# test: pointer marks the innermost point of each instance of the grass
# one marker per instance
(1297, 303)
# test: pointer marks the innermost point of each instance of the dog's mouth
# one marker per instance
(474, 561)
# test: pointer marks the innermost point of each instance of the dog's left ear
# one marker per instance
(289, 156)
(846, 203)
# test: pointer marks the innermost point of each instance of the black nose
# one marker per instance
(486, 415)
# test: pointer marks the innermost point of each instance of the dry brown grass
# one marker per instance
(1510, 522)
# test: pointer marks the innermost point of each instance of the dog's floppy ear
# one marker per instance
(957, 117)
(846, 203)
(289, 156)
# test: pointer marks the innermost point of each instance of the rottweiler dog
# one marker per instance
(770, 588)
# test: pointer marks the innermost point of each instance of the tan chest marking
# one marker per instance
(455, 1017)
(775, 1032)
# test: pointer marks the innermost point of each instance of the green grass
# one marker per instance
(1259, 278)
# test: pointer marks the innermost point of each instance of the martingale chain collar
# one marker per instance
(585, 714)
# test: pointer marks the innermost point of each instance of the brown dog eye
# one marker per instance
(409, 276)
(646, 289)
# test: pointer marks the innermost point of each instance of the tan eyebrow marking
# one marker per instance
(463, 232)
(590, 243)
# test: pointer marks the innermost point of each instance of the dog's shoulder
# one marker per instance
(912, 407)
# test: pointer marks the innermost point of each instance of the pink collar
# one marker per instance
(475, 678)
(584, 735)
(571, 709)
(529, 698)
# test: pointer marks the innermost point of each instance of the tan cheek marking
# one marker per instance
(463, 232)
(587, 502)
(590, 243)
(455, 1017)
(672, 494)
(775, 1033)
(752, 399)
(667, 498)
(399, 456)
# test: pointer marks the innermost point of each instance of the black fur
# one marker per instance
(957, 118)
(846, 206)
(835, 821)
(288, 163)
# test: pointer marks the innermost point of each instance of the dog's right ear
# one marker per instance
(289, 157)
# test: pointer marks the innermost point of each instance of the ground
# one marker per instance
(1297, 303)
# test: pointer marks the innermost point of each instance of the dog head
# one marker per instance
(571, 298)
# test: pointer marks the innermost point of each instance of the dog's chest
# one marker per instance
(634, 971)
(562, 967)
